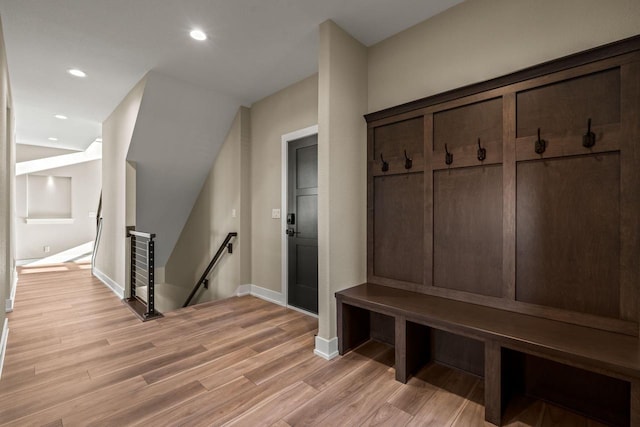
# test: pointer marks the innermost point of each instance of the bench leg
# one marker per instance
(493, 383)
(413, 344)
(635, 403)
(401, 349)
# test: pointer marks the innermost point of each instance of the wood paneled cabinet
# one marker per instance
(521, 193)
(504, 235)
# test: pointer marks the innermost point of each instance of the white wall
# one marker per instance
(482, 39)
(117, 130)
(85, 193)
(7, 176)
(342, 170)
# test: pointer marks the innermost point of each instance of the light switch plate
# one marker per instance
(275, 213)
(233, 213)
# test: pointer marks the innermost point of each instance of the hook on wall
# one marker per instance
(385, 165)
(482, 152)
(448, 157)
(540, 145)
(589, 139)
(408, 161)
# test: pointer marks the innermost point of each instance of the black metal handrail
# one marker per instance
(99, 211)
(226, 244)
(96, 242)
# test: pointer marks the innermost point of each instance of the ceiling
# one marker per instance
(255, 47)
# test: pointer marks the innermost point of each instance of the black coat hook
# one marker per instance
(482, 152)
(448, 158)
(589, 139)
(385, 165)
(540, 145)
(408, 161)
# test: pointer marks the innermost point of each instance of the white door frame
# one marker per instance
(286, 138)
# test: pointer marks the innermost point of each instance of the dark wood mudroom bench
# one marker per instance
(518, 349)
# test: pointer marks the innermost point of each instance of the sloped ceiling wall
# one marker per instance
(178, 133)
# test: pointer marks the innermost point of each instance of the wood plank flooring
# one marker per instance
(77, 356)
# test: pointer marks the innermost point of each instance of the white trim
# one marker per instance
(111, 284)
(243, 290)
(3, 343)
(327, 349)
(286, 138)
(268, 295)
(12, 295)
(49, 220)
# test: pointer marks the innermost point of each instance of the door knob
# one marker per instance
(290, 232)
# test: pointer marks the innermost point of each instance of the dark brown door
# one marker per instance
(302, 223)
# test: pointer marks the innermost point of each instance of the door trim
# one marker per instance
(286, 138)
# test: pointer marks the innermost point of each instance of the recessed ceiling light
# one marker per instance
(198, 35)
(76, 72)
(52, 139)
(61, 117)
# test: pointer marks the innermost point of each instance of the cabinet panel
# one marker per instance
(391, 140)
(565, 107)
(398, 238)
(467, 254)
(463, 126)
(568, 233)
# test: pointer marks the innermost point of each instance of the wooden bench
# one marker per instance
(514, 344)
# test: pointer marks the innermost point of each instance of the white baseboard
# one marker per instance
(327, 349)
(110, 283)
(267, 295)
(243, 290)
(3, 343)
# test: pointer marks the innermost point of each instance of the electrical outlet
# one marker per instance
(275, 213)
(46, 249)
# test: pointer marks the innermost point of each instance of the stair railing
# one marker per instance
(203, 279)
(142, 274)
(96, 242)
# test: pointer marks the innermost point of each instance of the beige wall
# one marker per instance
(117, 131)
(291, 109)
(7, 176)
(342, 169)
(481, 39)
(211, 218)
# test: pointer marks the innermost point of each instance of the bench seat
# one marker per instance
(603, 352)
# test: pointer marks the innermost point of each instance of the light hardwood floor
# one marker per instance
(77, 356)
